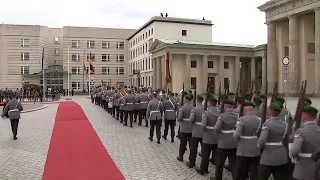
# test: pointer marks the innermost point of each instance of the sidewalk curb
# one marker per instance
(36, 109)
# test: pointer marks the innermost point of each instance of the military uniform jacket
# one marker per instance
(183, 118)
(12, 109)
(272, 139)
(110, 95)
(170, 108)
(99, 94)
(195, 119)
(286, 116)
(209, 119)
(116, 99)
(257, 112)
(136, 102)
(103, 96)
(245, 134)
(154, 110)
(225, 127)
(306, 141)
(129, 103)
(122, 104)
(237, 109)
(144, 100)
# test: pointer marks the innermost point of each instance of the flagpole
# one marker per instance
(43, 74)
(89, 71)
(68, 98)
(84, 69)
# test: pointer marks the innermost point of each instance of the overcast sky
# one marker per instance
(235, 21)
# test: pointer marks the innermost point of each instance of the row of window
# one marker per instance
(210, 64)
(104, 57)
(143, 65)
(104, 70)
(144, 81)
(143, 36)
(91, 44)
(142, 49)
(78, 85)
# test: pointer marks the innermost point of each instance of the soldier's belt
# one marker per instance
(306, 155)
(170, 110)
(129, 103)
(185, 119)
(274, 144)
(248, 137)
(143, 102)
(210, 127)
(227, 131)
(136, 103)
(198, 123)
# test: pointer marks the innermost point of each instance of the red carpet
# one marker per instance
(75, 151)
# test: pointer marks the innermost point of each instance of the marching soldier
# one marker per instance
(170, 108)
(197, 134)
(154, 114)
(92, 96)
(116, 104)
(163, 96)
(210, 137)
(227, 146)
(239, 101)
(257, 102)
(121, 109)
(306, 142)
(185, 126)
(136, 108)
(98, 97)
(128, 108)
(248, 153)
(103, 99)
(273, 137)
(110, 102)
(144, 100)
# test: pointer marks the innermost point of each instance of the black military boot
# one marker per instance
(164, 137)
(180, 158)
(150, 138)
(199, 170)
(190, 165)
(158, 141)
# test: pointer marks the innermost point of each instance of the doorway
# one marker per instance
(211, 85)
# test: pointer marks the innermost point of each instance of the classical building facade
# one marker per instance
(140, 63)
(198, 63)
(21, 49)
(293, 31)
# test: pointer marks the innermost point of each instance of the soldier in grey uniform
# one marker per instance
(273, 139)
(170, 108)
(257, 102)
(121, 109)
(306, 141)
(163, 96)
(197, 134)
(103, 99)
(248, 153)
(98, 96)
(210, 137)
(116, 104)
(92, 95)
(144, 100)
(13, 109)
(154, 114)
(136, 108)
(128, 108)
(110, 100)
(227, 147)
(185, 126)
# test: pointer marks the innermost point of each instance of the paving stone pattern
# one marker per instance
(24, 158)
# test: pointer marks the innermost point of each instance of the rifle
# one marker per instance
(298, 115)
(264, 111)
(182, 96)
(219, 97)
(195, 98)
(224, 97)
(274, 93)
(237, 92)
(206, 99)
(251, 91)
(242, 104)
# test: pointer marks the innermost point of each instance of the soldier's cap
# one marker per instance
(213, 99)
(171, 94)
(190, 91)
(275, 107)
(249, 103)
(200, 98)
(257, 99)
(307, 100)
(310, 109)
(229, 101)
(188, 97)
(280, 99)
(306, 103)
(280, 104)
(239, 98)
(262, 96)
(191, 95)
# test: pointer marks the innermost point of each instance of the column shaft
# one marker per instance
(204, 75)
(294, 55)
(158, 71)
(221, 72)
(264, 73)
(170, 69)
(317, 50)
(272, 57)
(154, 73)
(253, 72)
(236, 73)
(187, 73)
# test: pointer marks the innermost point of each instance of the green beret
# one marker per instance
(171, 94)
(213, 99)
(229, 101)
(190, 91)
(306, 104)
(275, 107)
(280, 99)
(239, 99)
(257, 99)
(188, 97)
(262, 96)
(309, 109)
(248, 103)
(307, 100)
(280, 104)
(199, 97)
(191, 95)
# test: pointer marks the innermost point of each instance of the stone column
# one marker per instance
(170, 69)
(158, 71)
(253, 72)
(187, 73)
(264, 74)
(236, 73)
(221, 72)
(204, 75)
(293, 77)
(317, 52)
(154, 73)
(272, 57)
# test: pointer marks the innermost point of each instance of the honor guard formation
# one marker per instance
(258, 139)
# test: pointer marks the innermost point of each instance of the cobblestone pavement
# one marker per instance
(24, 158)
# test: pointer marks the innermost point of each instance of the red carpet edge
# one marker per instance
(75, 151)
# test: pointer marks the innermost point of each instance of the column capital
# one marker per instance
(317, 9)
(221, 57)
(253, 58)
(293, 17)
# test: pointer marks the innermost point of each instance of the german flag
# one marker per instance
(167, 77)
(91, 68)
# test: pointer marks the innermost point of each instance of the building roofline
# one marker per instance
(271, 4)
(172, 20)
